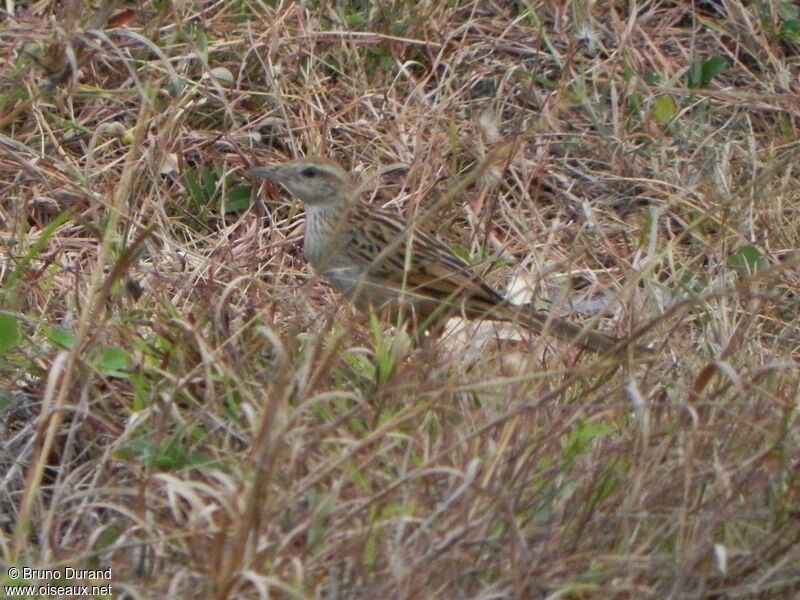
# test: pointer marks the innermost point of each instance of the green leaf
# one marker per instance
(790, 30)
(354, 20)
(628, 72)
(238, 199)
(372, 546)
(664, 109)
(8, 296)
(461, 252)
(107, 538)
(651, 78)
(201, 185)
(582, 437)
(194, 32)
(223, 75)
(701, 73)
(747, 261)
(454, 136)
(695, 74)
(9, 333)
(500, 263)
(113, 361)
(166, 455)
(192, 182)
(175, 87)
(202, 41)
(387, 63)
(60, 337)
(319, 522)
(244, 13)
(142, 391)
(787, 10)
(209, 179)
(384, 356)
(712, 68)
(635, 101)
(360, 365)
(378, 60)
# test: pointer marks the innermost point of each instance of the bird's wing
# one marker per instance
(434, 270)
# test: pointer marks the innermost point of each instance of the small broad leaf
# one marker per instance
(501, 263)
(238, 199)
(461, 252)
(747, 261)
(664, 109)
(209, 180)
(635, 102)
(787, 10)
(790, 30)
(712, 68)
(166, 455)
(360, 365)
(113, 361)
(9, 333)
(695, 74)
(583, 436)
(354, 20)
(176, 86)
(222, 75)
(192, 182)
(60, 337)
(701, 73)
(7, 292)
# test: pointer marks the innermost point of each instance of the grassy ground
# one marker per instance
(185, 402)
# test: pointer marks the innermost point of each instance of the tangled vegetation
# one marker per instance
(183, 401)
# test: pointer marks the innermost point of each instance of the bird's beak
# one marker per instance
(268, 173)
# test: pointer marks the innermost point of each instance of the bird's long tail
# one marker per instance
(541, 322)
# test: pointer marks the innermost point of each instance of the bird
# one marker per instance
(384, 264)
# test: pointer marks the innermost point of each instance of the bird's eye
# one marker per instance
(309, 172)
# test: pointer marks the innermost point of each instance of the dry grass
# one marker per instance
(185, 402)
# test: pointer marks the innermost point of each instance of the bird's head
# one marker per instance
(315, 181)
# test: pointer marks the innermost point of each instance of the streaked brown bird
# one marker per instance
(381, 262)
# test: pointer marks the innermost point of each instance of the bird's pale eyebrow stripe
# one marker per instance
(325, 170)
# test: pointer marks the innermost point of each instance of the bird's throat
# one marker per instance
(325, 230)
